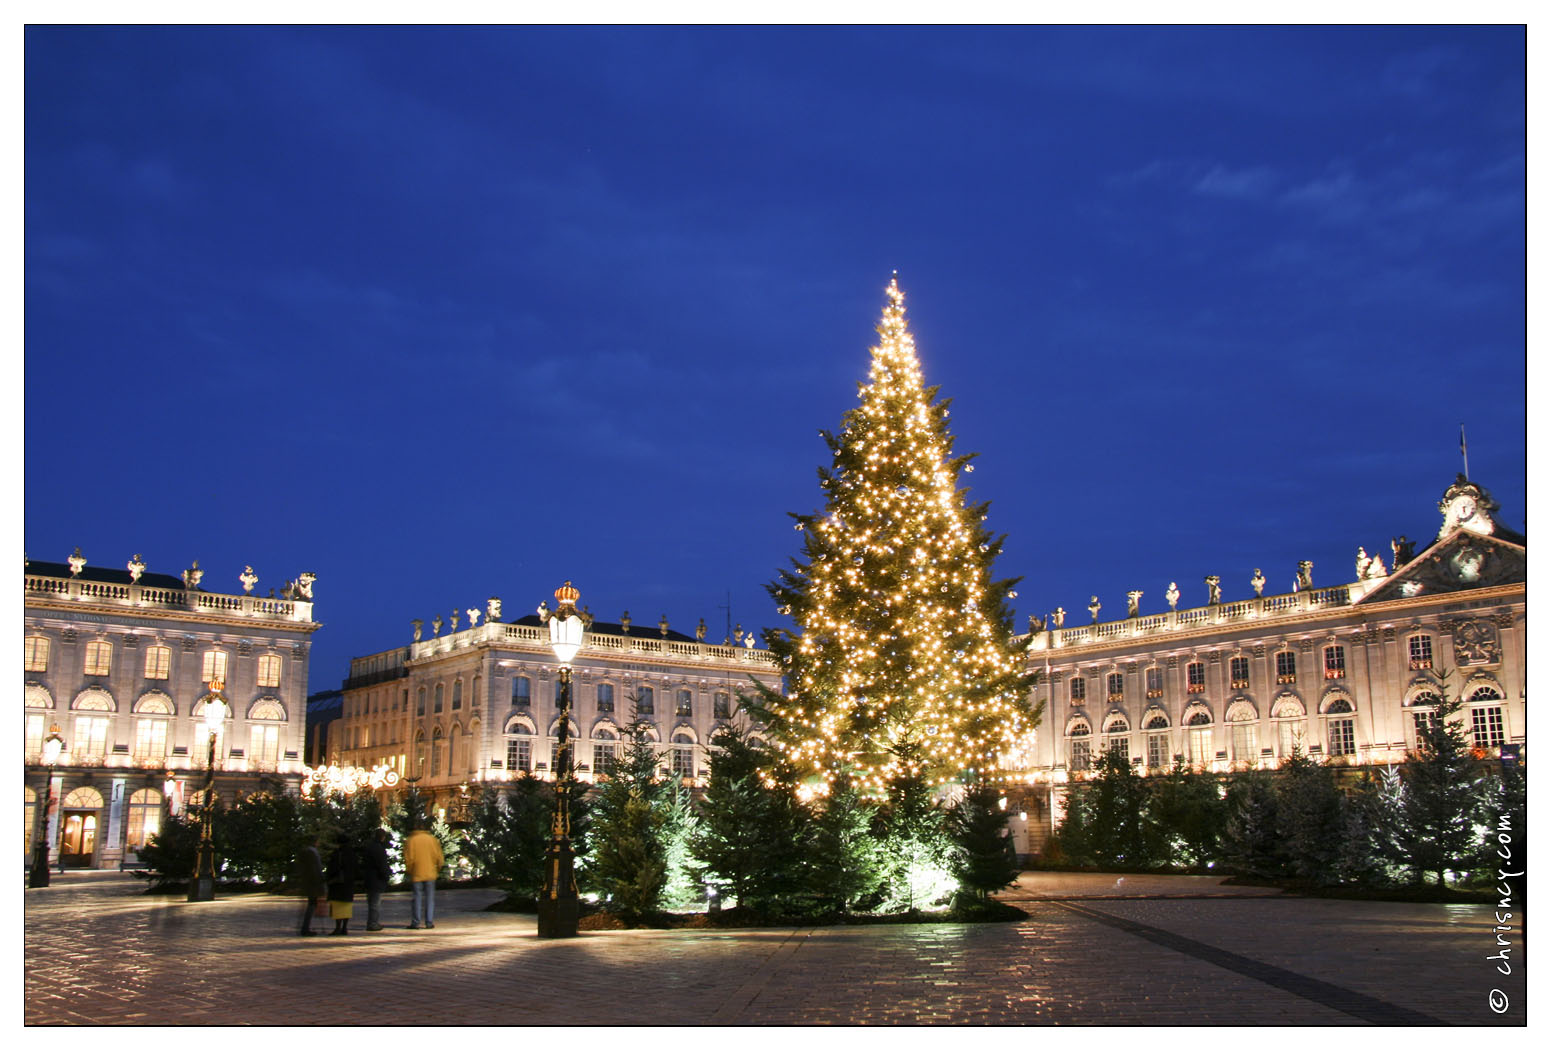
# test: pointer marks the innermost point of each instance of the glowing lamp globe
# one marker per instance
(566, 630)
(215, 708)
(53, 745)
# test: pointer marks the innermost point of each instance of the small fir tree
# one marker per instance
(1252, 841)
(1190, 815)
(917, 847)
(1310, 819)
(1107, 821)
(845, 859)
(1438, 822)
(750, 837)
(508, 834)
(984, 860)
(902, 664)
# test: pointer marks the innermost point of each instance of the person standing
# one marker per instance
(342, 873)
(378, 875)
(423, 862)
(309, 882)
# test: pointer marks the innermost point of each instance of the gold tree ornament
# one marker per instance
(901, 662)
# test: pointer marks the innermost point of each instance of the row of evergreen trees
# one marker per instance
(1436, 815)
(645, 845)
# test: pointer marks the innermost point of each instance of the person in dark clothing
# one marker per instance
(309, 882)
(374, 867)
(342, 872)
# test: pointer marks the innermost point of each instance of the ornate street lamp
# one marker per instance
(53, 745)
(202, 886)
(558, 905)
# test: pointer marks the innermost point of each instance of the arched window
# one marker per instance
(1198, 736)
(471, 747)
(145, 817)
(1486, 717)
(1079, 749)
(436, 751)
(91, 724)
(1340, 727)
(1117, 736)
(1156, 729)
(454, 749)
(1291, 719)
(1422, 702)
(153, 721)
(264, 720)
(605, 751)
(519, 748)
(682, 754)
(1243, 747)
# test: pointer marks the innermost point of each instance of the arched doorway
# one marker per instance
(79, 827)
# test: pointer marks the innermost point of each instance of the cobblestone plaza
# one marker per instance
(1095, 950)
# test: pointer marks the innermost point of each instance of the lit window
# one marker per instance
(605, 753)
(605, 697)
(264, 743)
(1079, 689)
(1117, 687)
(1486, 721)
(1421, 650)
(1238, 672)
(1242, 741)
(1340, 732)
(683, 756)
(1195, 677)
(145, 817)
(684, 705)
(99, 658)
(1154, 682)
(1335, 662)
(1117, 738)
(436, 752)
(36, 654)
(519, 753)
(646, 700)
(269, 670)
(1286, 667)
(158, 662)
(721, 706)
(1198, 738)
(91, 736)
(213, 666)
(34, 734)
(1157, 729)
(1079, 749)
(150, 738)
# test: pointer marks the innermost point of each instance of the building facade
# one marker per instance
(1345, 674)
(119, 663)
(481, 703)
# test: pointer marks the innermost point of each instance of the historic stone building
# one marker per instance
(119, 663)
(480, 703)
(1344, 673)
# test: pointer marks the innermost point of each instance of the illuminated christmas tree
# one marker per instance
(902, 664)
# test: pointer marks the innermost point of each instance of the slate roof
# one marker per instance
(102, 574)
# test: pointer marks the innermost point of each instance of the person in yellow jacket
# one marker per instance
(422, 864)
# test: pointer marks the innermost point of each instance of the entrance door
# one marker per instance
(79, 840)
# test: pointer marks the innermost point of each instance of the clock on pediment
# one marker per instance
(1467, 506)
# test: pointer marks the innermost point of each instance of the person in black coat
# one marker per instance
(342, 872)
(309, 882)
(378, 874)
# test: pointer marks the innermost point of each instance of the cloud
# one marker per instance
(1243, 184)
(1417, 73)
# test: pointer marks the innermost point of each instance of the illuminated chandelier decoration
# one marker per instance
(347, 780)
(902, 662)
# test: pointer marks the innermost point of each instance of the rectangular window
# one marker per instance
(1486, 727)
(150, 738)
(1422, 721)
(1079, 690)
(158, 662)
(1081, 756)
(522, 691)
(1195, 677)
(683, 760)
(144, 822)
(1286, 667)
(457, 694)
(519, 753)
(1421, 647)
(605, 756)
(721, 706)
(1243, 742)
(213, 666)
(99, 658)
(420, 701)
(1117, 687)
(264, 744)
(1157, 750)
(1335, 662)
(1289, 736)
(1154, 682)
(1200, 742)
(646, 700)
(269, 670)
(34, 734)
(1238, 672)
(605, 697)
(36, 653)
(685, 704)
(1342, 737)
(91, 736)
(1120, 744)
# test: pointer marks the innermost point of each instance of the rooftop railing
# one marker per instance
(134, 596)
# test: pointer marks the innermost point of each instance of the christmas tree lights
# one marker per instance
(902, 662)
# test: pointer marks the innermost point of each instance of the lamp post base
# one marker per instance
(559, 908)
(202, 886)
(37, 876)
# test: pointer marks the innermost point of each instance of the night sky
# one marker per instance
(440, 315)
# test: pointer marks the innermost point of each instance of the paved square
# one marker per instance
(1096, 950)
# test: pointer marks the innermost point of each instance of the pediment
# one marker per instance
(1460, 561)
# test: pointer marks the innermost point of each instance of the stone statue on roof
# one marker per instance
(136, 569)
(247, 578)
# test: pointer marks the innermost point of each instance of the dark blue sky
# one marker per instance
(444, 314)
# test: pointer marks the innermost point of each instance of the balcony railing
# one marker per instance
(134, 596)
